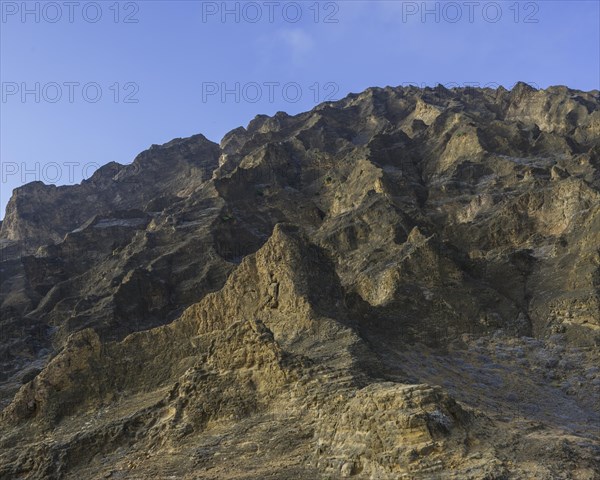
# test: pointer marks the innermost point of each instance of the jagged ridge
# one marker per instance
(298, 286)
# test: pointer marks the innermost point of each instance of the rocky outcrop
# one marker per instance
(401, 284)
(38, 214)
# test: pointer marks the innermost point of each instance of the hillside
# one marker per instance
(404, 283)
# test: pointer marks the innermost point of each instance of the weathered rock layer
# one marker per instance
(401, 284)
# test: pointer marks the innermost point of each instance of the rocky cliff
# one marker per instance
(401, 284)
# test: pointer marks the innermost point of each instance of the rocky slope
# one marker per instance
(401, 284)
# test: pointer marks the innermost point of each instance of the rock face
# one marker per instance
(401, 284)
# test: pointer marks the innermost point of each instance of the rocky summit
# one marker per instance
(403, 284)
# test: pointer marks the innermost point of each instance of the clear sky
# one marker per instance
(85, 83)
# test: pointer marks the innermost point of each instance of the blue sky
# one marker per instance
(85, 83)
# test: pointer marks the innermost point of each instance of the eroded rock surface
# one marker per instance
(401, 284)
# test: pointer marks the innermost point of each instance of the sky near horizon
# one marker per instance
(86, 83)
